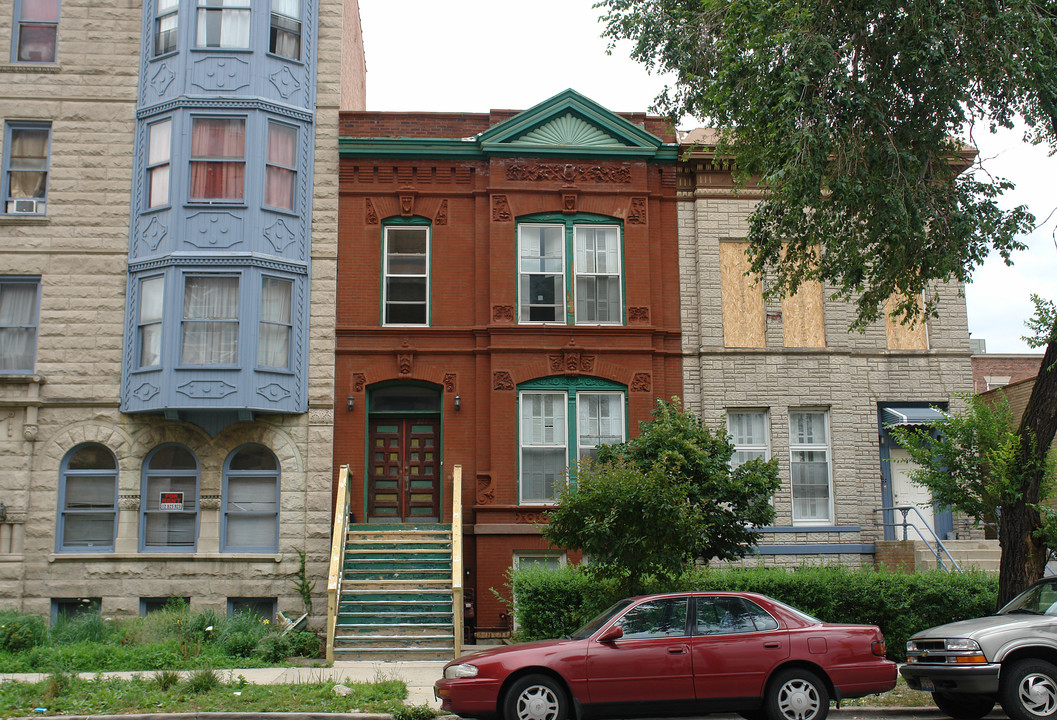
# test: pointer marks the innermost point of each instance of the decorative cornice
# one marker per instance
(217, 262)
(226, 104)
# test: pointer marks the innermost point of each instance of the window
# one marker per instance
(742, 298)
(722, 615)
(748, 432)
(169, 499)
(37, 29)
(251, 501)
(261, 607)
(210, 320)
(148, 605)
(275, 327)
(165, 27)
(285, 37)
(67, 608)
(19, 298)
(151, 298)
(593, 278)
(655, 619)
(25, 183)
(280, 170)
(545, 437)
(406, 284)
(218, 160)
(88, 500)
(809, 466)
(548, 560)
(224, 24)
(158, 153)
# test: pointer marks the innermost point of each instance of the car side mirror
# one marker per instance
(613, 632)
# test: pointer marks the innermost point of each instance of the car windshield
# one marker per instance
(1038, 599)
(599, 620)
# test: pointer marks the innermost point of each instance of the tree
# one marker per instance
(653, 504)
(972, 462)
(848, 115)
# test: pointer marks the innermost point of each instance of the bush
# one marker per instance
(304, 643)
(20, 632)
(552, 603)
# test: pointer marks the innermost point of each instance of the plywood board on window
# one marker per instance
(803, 317)
(904, 337)
(743, 317)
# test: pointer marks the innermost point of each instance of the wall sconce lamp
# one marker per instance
(350, 403)
(458, 403)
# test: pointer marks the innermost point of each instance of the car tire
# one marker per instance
(964, 706)
(1028, 690)
(535, 697)
(796, 694)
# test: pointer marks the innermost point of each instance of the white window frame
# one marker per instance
(387, 275)
(166, 13)
(581, 448)
(579, 273)
(559, 304)
(763, 450)
(561, 440)
(161, 164)
(37, 203)
(795, 447)
(231, 8)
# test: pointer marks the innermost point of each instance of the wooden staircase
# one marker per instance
(395, 600)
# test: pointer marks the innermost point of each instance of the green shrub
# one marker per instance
(166, 679)
(20, 632)
(87, 626)
(552, 603)
(303, 643)
(273, 649)
(202, 681)
(414, 712)
(239, 644)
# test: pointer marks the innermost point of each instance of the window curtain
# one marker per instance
(273, 345)
(152, 295)
(280, 172)
(28, 163)
(601, 421)
(286, 28)
(211, 328)
(542, 424)
(38, 24)
(223, 24)
(18, 332)
(158, 161)
(217, 153)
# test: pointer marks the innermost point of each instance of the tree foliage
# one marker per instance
(650, 506)
(849, 114)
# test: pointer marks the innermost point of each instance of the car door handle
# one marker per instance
(676, 650)
(772, 644)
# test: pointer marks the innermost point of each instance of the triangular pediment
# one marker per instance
(568, 124)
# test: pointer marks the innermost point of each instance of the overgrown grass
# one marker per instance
(171, 638)
(64, 694)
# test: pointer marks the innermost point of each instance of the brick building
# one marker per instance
(507, 300)
(166, 297)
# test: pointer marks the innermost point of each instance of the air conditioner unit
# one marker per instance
(27, 207)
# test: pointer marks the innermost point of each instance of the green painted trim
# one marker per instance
(385, 147)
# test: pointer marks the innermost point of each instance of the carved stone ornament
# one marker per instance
(485, 489)
(442, 214)
(567, 173)
(640, 382)
(532, 517)
(501, 209)
(449, 382)
(359, 380)
(128, 502)
(372, 214)
(30, 432)
(209, 502)
(503, 313)
(637, 214)
(571, 362)
(568, 203)
(639, 315)
(406, 358)
(407, 205)
(501, 380)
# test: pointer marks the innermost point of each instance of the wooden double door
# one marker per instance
(403, 476)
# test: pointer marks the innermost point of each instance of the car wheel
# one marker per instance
(1029, 690)
(535, 697)
(796, 694)
(964, 706)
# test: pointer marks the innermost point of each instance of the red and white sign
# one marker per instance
(171, 500)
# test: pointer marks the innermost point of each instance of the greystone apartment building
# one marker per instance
(168, 229)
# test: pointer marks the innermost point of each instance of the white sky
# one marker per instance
(476, 55)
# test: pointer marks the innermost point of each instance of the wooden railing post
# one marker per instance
(456, 557)
(337, 556)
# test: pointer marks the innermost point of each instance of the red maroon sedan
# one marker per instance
(676, 654)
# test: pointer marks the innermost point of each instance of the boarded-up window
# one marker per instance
(743, 319)
(904, 337)
(803, 319)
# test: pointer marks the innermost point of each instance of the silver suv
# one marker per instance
(1009, 657)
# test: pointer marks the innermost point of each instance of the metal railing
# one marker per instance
(457, 607)
(337, 557)
(938, 551)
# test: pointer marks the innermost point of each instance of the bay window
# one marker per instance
(218, 159)
(151, 306)
(224, 24)
(210, 320)
(809, 466)
(280, 170)
(285, 37)
(159, 140)
(165, 23)
(276, 323)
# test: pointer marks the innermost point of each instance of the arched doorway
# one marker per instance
(403, 453)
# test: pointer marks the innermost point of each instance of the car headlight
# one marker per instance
(465, 670)
(962, 645)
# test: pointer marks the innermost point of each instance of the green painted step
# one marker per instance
(399, 527)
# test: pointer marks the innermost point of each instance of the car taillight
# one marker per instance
(879, 648)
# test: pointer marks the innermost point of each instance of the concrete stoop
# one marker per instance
(969, 554)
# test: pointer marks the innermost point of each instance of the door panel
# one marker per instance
(906, 492)
(734, 648)
(404, 470)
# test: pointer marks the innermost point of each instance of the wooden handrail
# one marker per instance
(337, 557)
(456, 557)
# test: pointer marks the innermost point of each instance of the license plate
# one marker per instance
(927, 685)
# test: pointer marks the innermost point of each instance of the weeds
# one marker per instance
(202, 681)
(166, 679)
